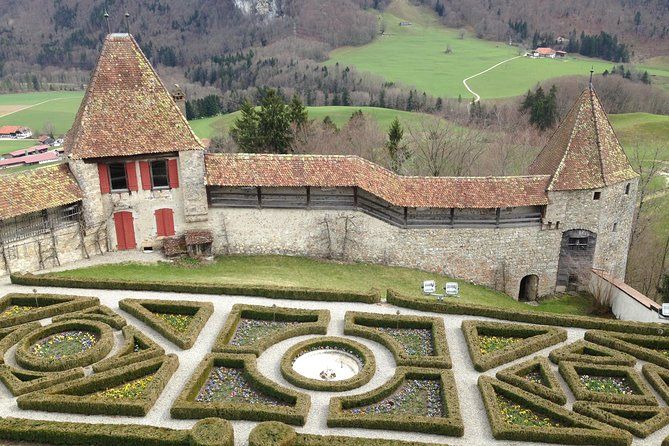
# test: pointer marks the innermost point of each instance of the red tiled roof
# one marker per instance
(584, 152)
(30, 159)
(545, 51)
(347, 171)
(126, 109)
(9, 129)
(29, 150)
(35, 190)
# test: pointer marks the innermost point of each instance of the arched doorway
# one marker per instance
(529, 288)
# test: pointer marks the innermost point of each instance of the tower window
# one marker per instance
(117, 176)
(597, 196)
(627, 189)
(577, 243)
(615, 226)
(159, 178)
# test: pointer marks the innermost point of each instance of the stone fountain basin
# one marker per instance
(322, 364)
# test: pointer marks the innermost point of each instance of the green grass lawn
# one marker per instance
(644, 130)
(9, 145)
(209, 127)
(303, 272)
(415, 55)
(59, 110)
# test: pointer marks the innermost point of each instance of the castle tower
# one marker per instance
(139, 164)
(591, 193)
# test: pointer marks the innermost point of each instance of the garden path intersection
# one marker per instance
(477, 430)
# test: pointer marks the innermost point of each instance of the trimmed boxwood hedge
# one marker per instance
(658, 378)
(268, 291)
(536, 338)
(571, 371)
(310, 322)
(185, 406)
(515, 375)
(80, 397)
(208, 432)
(100, 313)
(46, 305)
(449, 424)
(641, 346)
(364, 325)
(591, 353)
(361, 378)
(626, 417)
(126, 354)
(578, 429)
(28, 360)
(145, 309)
(273, 433)
(452, 306)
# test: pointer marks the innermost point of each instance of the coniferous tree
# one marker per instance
(397, 150)
(245, 129)
(274, 132)
(297, 112)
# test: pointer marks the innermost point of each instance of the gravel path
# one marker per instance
(477, 429)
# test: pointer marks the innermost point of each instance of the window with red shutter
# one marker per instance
(164, 222)
(103, 173)
(131, 175)
(173, 172)
(145, 172)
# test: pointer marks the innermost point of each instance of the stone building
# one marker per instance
(140, 179)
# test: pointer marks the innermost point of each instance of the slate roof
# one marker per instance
(584, 152)
(126, 109)
(348, 171)
(35, 190)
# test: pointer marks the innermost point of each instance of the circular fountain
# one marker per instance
(327, 364)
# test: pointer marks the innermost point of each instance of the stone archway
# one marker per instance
(529, 288)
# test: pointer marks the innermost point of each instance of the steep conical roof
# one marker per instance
(584, 152)
(126, 109)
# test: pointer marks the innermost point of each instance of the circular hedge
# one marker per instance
(104, 343)
(364, 355)
(212, 432)
(272, 433)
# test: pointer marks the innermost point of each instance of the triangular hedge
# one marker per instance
(549, 387)
(591, 353)
(136, 347)
(34, 307)
(638, 420)
(573, 428)
(149, 311)
(658, 378)
(531, 339)
(100, 313)
(82, 396)
(649, 348)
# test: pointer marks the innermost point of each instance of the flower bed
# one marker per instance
(17, 308)
(362, 353)
(137, 347)
(641, 421)
(536, 377)
(606, 383)
(413, 340)
(415, 399)
(646, 347)
(229, 386)
(591, 353)
(254, 328)
(492, 344)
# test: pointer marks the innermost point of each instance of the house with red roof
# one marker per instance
(15, 132)
(144, 180)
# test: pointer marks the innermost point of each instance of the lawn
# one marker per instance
(303, 272)
(415, 55)
(644, 130)
(55, 107)
(209, 127)
(9, 145)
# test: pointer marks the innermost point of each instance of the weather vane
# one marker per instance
(127, 22)
(106, 16)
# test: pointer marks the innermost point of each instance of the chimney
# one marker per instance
(180, 98)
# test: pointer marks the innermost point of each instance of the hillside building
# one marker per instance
(137, 177)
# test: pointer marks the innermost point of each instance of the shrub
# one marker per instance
(517, 315)
(98, 313)
(365, 325)
(572, 372)
(658, 378)
(212, 432)
(585, 351)
(126, 354)
(361, 378)
(271, 292)
(641, 421)
(448, 424)
(574, 429)
(82, 395)
(534, 338)
(32, 361)
(146, 309)
(644, 347)
(294, 411)
(45, 305)
(307, 322)
(516, 375)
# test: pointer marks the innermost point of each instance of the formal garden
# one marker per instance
(87, 360)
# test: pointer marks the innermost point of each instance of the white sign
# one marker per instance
(429, 286)
(452, 288)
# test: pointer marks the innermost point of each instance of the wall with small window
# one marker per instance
(122, 176)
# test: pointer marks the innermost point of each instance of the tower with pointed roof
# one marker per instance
(591, 192)
(139, 164)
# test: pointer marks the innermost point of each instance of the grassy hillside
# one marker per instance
(35, 110)
(7, 146)
(415, 55)
(644, 130)
(209, 127)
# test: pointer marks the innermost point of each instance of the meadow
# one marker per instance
(36, 110)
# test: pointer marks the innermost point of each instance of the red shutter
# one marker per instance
(131, 175)
(160, 223)
(120, 233)
(173, 173)
(145, 171)
(164, 222)
(103, 173)
(129, 229)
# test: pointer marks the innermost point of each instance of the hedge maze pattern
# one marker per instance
(536, 377)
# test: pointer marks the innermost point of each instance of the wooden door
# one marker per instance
(125, 231)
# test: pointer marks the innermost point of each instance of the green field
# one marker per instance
(644, 130)
(7, 146)
(209, 127)
(55, 107)
(415, 55)
(303, 272)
